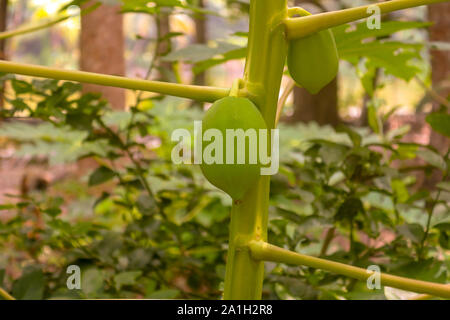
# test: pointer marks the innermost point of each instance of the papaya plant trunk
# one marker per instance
(266, 57)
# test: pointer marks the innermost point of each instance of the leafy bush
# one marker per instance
(147, 228)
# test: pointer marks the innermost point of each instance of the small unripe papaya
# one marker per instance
(313, 60)
(228, 173)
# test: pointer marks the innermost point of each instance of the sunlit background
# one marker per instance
(58, 47)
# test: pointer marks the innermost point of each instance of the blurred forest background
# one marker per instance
(86, 179)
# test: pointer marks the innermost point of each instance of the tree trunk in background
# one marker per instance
(321, 108)
(200, 38)
(440, 59)
(440, 62)
(165, 46)
(3, 17)
(102, 50)
(440, 71)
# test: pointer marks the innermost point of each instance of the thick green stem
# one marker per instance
(301, 27)
(263, 72)
(200, 93)
(424, 296)
(266, 252)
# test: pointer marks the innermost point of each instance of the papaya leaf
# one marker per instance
(348, 35)
(355, 42)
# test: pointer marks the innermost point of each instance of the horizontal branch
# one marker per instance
(267, 252)
(303, 26)
(200, 93)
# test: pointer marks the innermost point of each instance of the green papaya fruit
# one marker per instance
(313, 60)
(230, 176)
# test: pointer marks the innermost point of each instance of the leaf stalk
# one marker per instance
(266, 252)
(200, 93)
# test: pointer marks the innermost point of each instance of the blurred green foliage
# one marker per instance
(148, 228)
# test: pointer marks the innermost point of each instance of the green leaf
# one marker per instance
(145, 204)
(400, 190)
(373, 119)
(231, 55)
(60, 225)
(200, 52)
(443, 226)
(331, 152)
(79, 120)
(92, 281)
(358, 42)
(164, 294)
(367, 77)
(348, 35)
(433, 158)
(349, 209)
(101, 175)
(413, 232)
(406, 151)
(426, 270)
(7, 206)
(18, 104)
(444, 234)
(30, 286)
(440, 122)
(21, 87)
(444, 239)
(53, 212)
(444, 186)
(126, 278)
(353, 135)
(2, 276)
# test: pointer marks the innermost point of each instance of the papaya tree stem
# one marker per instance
(303, 26)
(266, 56)
(200, 93)
(266, 252)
